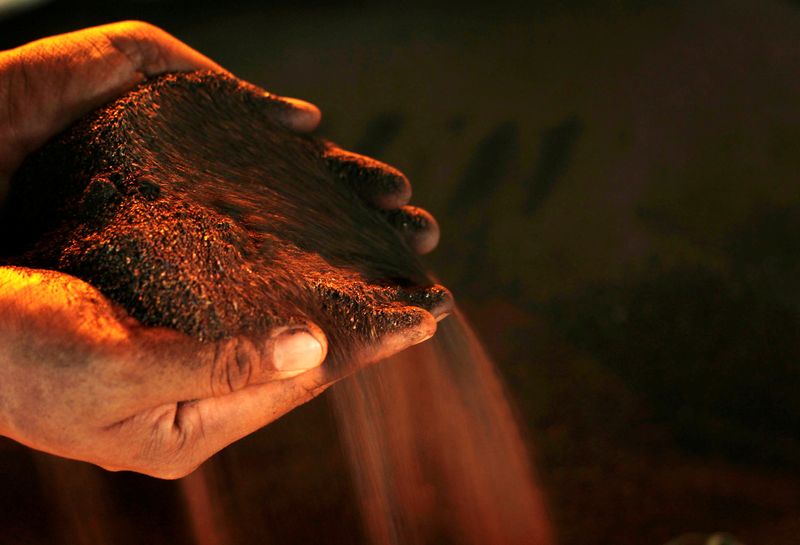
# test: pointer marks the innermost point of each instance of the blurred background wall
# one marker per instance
(618, 188)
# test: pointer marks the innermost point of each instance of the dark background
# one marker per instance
(618, 188)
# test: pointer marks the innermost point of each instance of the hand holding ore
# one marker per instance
(48, 84)
(82, 379)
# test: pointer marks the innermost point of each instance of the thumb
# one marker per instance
(212, 413)
(180, 368)
(198, 429)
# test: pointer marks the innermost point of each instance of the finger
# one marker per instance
(149, 49)
(47, 84)
(206, 426)
(179, 368)
(436, 299)
(295, 114)
(153, 51)
(377, 183)
(417, 226)
(401, 328)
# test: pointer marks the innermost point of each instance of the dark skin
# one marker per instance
(81, 379)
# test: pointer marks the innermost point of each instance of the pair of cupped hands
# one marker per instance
(81, 379)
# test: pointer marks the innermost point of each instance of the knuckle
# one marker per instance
(138, 27)
(234, 362)
(175, 459)
(168, 442)
(169, 452)
(140, 43)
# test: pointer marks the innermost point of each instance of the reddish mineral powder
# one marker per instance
(184, 203)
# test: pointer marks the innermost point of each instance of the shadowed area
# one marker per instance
(186, 205)
(643, 313)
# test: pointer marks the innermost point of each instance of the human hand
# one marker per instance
(47, 84)
(83, 380)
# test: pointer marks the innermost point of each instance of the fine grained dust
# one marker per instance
(187, 205)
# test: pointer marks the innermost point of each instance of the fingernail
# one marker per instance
(303, 116)
(296, 350)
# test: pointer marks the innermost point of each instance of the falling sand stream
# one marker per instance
(187, 205)
(434, 449)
